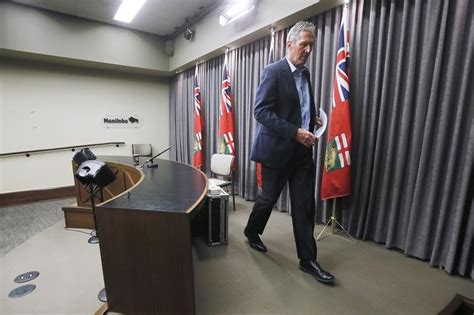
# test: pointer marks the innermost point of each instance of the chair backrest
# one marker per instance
(221, 164)
(142, 149)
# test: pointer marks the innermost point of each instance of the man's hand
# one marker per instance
(305, 137)
(318, 122)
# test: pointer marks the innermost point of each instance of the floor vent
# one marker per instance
(27, 276)
(21, 291)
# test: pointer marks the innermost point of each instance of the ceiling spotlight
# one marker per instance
(188, 32)
(236, 11)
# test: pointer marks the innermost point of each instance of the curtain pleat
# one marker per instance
(411, 111)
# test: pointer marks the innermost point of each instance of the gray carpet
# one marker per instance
(19, 223)
(233, 279)
(370, 279)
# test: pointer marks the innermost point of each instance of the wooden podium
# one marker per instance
(145, 237)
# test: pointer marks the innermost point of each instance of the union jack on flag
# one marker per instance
(198, 125)
(336, 181)
(226, 116)
(226, 103)
(341, 79)
(197, 98)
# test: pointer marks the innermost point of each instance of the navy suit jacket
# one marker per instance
(278, 114)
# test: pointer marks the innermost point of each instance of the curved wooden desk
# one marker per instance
(145, 239)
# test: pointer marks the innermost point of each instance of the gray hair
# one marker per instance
(299, 27)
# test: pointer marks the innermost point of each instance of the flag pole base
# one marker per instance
(333, 220)
(335, 223)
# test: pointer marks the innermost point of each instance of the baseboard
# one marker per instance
(28, 196)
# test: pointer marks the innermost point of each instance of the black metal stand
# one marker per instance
(95, 175)
(93, 189)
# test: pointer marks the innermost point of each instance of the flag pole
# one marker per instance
(334, 223)
(337, 158)
(227, 49)
(333, 218)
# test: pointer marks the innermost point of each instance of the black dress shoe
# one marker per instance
(255, 242)
(313, 268)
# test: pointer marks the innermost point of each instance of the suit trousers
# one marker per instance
(300, 174)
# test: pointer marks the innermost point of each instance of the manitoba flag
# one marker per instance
(226, 116)
(198, 125)
(336, 181)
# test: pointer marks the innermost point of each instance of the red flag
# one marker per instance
(336, 181)
(226, 117)
(271, 59)
(198, 125)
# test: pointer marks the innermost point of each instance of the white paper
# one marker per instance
(319, 132)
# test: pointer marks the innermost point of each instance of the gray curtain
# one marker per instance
(411, 111)
(245, 65)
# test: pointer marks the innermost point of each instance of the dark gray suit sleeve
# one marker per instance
(266, 101)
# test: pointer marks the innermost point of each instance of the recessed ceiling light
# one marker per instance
(128, 9)
(237, 10)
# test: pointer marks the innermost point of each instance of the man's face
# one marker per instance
(298, 51)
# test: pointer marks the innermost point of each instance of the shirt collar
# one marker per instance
(292, 66)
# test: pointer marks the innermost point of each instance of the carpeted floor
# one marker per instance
(19, 223)
(234, 279)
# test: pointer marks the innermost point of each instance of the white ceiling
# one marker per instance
(161, 17)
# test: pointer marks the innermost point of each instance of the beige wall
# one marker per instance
(51, 106)
(211, 36)
(27, 29)
(211, 39)
(38, 33)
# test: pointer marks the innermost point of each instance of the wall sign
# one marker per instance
(121, 121)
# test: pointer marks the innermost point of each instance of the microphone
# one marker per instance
(152, 165)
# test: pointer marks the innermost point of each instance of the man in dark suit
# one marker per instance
(286, 115)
